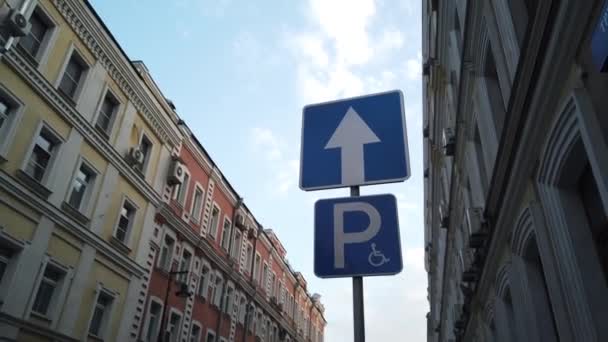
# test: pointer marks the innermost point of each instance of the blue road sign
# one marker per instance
(356, 141)
(357, 236)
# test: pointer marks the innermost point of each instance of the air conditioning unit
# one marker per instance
(136, 156)
(449, 141)
(176, 173)
(250, 234)
(240, 223)
(16, 24)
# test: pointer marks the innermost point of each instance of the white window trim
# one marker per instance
(190, 250)
(144, 167)
(83, 78)
(257, 273)
(236, 247)
(9, 272)
(86, 206)
(56, 304)
(49, 38)
(193, 218)
(219, 215)
(205, 293)
(10, 128)
(212, 332)
(172, 235)
(124, 200)
(119, 106)
(226, 219)
(48, 177)
(248, 261)
(172, 311)
(147, 319)
(200, 327)
(107, 319)
(217, 295)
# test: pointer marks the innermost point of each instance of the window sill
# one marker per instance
(27, 56)
(101, 131)
(94, 337)
(75, 213)
(40, 316)
(33, 184)
(120, 245)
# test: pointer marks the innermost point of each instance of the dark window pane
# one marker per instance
(106, 113)
(96, 321)
(71, 77)
(31, 43)
(43, 297)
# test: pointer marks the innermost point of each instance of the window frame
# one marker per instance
(144, 166)
(211, 225)
(9, 126)
(107, 315)
(73, 51)
(129, 233)
(185, 276)
(200, 330)
(85, 206)
(116, 110)
(229, 229)
(16, 246)
(59, 292)
(236, 246)
(58, 140)
(197, 214)
(177, 312)
(170, 253)
(202, 289)
(210, 332)
(49, 38)
(146, 327)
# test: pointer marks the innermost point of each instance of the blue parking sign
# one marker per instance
(357, 236)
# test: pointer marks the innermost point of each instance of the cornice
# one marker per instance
(82, 21)
(67, 111)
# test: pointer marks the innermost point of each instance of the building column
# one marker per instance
(72, 306)
(30, 259)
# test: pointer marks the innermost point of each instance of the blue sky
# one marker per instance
(240, 72)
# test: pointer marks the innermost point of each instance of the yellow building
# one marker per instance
(84, 148)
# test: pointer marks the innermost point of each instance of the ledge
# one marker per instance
(33, 184)
(75, 214)
(120, 245)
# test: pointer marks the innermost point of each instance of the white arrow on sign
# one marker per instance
(350, 136)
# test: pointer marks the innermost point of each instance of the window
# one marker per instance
(242, 309)
(5, 109)
(172, 332)
(153, 321)
(145, 145)
(236, 245)
(184, 265)
(219, 287)
(228, 299)
(72, 76)
(183, 189)
(203, 284)
(210, 336)
(48, 289)
(6, 254)
(195, 334)
(43, 154)
(107, 112)
(197, 205)
(166, 253)
(125, 221)
(34, 39)
(256, 267)
(497, 105)
(248, 256)
(272, 284)
(215, 217)
(212, 285)
(226, 234)
(596, 217)
(101, 314)
(264, 276)
(81, 186)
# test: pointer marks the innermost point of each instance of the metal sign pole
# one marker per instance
(358, 312)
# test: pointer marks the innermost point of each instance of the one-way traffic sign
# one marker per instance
(355, 141)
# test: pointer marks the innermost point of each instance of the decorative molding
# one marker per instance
(67, 111)
(92, 35)
(523, 232)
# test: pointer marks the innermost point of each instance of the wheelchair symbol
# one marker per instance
(376, 258)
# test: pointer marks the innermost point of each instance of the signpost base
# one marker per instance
(358, 312)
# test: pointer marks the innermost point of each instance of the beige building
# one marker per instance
(80, 144)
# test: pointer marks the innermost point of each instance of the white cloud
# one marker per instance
(413, 69)
(266, 143)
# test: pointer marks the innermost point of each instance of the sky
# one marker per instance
(239, 73)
